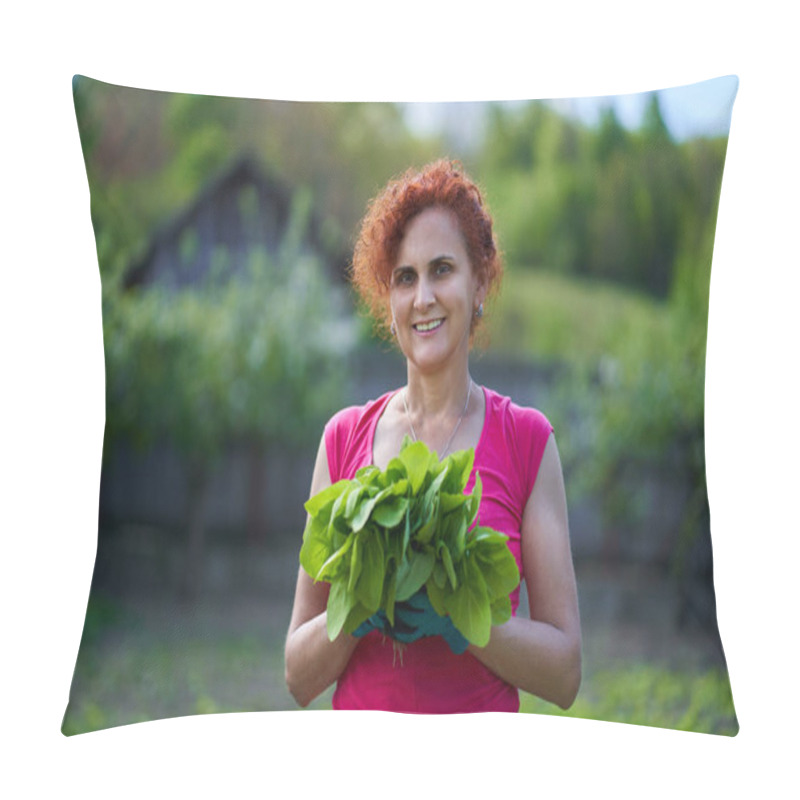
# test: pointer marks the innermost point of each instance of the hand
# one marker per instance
(377, 622)
(402, 630)
(416, 618)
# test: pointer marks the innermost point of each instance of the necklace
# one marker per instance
(458, 424)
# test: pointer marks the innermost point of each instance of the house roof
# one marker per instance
(206, 206)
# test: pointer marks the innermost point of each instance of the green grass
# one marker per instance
(552, 317)
(137, 681)
(643, 694)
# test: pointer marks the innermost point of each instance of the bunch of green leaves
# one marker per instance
(383, 536)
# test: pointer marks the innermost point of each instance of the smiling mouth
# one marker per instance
(423, 327)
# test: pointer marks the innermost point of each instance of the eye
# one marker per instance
(403, 277)
(443, 267)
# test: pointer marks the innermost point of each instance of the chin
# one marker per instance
(430, 363)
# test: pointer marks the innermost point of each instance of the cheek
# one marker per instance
(394, 301)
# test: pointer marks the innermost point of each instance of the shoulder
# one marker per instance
(343, 420)
(348, 436)
(517, 419)
(350, 418)
(522, 432)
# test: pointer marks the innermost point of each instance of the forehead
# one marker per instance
(431, 233)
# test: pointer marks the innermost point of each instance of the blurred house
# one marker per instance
(240, 210)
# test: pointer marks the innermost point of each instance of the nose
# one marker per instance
(424, 296)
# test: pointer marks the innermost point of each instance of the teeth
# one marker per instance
(428, 326)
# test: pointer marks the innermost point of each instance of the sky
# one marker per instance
(699, 109)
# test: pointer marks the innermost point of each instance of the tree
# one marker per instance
(654, 129)
(254, 362)
(610, 138)
(643, 410)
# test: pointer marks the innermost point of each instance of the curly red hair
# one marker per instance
(443, 184)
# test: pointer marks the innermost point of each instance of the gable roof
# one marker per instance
(241, 208)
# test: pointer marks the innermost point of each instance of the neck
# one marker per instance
(439, 395)
(439, 409)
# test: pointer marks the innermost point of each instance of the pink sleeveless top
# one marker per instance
(429, 678)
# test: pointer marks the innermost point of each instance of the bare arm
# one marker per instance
(542, 655)
(312, 662)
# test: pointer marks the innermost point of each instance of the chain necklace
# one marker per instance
(458, 424)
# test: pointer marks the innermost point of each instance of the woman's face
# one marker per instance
(434, 291)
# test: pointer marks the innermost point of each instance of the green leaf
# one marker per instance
(337, 520)
(447, 561)
(399, 487)
(370, 584)
(328, 571)
(389, 592)
(460, 469)
(454, 534)
(460, 546)
(501, 610)
(474, 502)
(489, 550)
(395, 471)
(429, 513)
(382, 536)
(469, 607)
(355, 564)
(435, 486)
(314, 550)
(501, 574)
(353, 496)
(413, 573)
(436, 595)
(391, 512)
(416, 457)
(483, 534)
(392, 543)
(449, 502)
(406, 534)
(357, 614)
(326, 497)
(339, 604)
(368, 475)
(363, 513)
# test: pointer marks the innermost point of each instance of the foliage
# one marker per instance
(604, 203)
(598, 202)
(148, 154)
(145, 677)
(645, 694)
(551, 318)
(134, 673)
(383, 536)
(630, 398)
(640, 407)
(256, 359)
(634, 207)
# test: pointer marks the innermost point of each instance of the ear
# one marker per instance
(481, 289)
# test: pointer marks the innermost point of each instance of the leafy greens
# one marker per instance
(384, 535)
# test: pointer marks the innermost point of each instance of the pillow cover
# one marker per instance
(224, 229)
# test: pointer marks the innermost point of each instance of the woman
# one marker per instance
(425, 262)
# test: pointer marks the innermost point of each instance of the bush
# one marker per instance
(649, 695)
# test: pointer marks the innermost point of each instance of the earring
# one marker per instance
(479, 311)
(393, 329)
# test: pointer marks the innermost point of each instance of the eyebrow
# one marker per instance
(435, 260)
